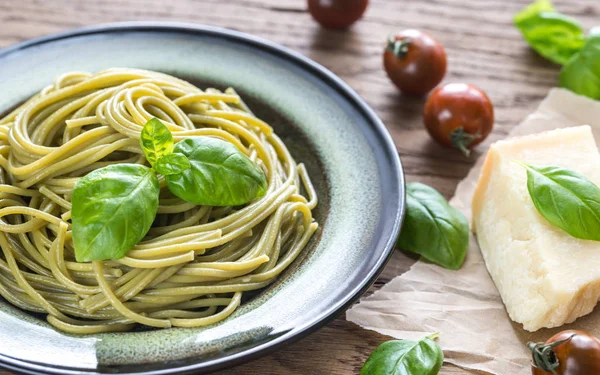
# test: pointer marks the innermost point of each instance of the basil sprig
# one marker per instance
(567, 199)
(405, 357)
(551, 34)
(114, 207)
(433, 228)
(582, 73)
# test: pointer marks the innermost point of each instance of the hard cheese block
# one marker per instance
(546, 277)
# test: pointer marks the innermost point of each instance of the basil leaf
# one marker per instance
(405, 357)
(433, 228)
(566, 199)
(113, 209)
(551, 34)
(533, 10)
(582, 73)
(220, 174)
(156, 140)
(172, 164)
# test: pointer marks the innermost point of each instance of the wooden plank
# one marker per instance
(483, 48)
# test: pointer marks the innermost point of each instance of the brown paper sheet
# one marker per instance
(464, 306)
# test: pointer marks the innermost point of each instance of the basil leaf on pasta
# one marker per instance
(156, 140)
(172, 164)
(113, 209)
(220, 174)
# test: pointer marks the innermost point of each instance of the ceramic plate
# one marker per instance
(348, 152)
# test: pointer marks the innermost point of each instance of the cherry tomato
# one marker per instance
(414, 61)
(567, 353)
(337, 14)
(459, 115)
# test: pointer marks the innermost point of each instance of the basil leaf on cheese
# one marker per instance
(567, 199)
(433, 228)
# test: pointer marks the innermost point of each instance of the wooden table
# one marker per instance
(483, 48)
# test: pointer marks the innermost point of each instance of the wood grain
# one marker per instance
(483, 49)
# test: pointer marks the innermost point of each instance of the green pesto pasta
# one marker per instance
(196, 261)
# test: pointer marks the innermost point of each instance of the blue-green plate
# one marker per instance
(348, 152)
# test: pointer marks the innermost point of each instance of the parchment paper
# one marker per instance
(464, 306)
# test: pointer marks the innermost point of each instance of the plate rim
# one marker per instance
(312, 67)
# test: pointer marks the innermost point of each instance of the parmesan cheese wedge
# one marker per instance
(546, 277)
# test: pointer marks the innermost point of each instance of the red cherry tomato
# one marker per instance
(459, 115)
(567, 353)
(337, 14)
(414, 61)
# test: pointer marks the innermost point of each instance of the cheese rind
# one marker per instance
(545, 277)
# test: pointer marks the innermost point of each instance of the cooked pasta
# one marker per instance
(195, 263)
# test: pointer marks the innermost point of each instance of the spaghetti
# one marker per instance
(196, 261)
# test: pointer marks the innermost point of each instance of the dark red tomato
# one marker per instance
(414, 61)
(459, 115)
(567, 353)
(337, 14)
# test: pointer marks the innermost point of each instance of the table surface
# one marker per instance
(483, 48)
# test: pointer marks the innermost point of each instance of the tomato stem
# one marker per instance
(399, 47)
(461, 140)
(544, 357)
